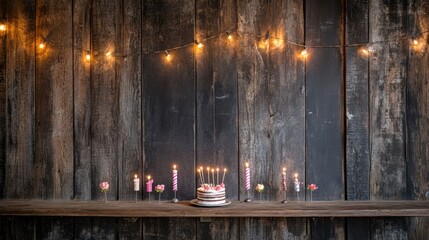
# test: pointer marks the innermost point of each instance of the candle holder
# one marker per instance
(175, 200)
(149, 196)
(297, 189)
(136, 195)
(248, 199)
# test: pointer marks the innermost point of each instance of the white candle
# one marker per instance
(136, 183)
(296, 183)
(284, 181)
(217, 176)
(223, 178)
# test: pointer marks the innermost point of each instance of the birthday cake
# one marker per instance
(211, 195)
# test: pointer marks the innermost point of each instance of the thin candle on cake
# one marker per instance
(223, 178)
(175, 200)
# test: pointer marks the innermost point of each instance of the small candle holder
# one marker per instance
(248, 199)
(136, 195)
(175, 200)
(297, 189)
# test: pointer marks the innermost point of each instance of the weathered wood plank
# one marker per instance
(3, 93)
(54, 228)
(216, 100)
(104, 121)
(82, 100)
(357, 113)
(235, 209)
(53, 175)
(387, 107)
(169, 108)
(17, 228)
(129, 68)
(20, 75)
(325, 109)
(417, 112)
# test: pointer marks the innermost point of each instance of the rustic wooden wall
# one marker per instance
(356, 126)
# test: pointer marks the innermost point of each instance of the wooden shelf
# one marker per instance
(235, 209)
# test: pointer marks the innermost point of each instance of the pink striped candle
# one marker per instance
(174, 178)
(247, 177)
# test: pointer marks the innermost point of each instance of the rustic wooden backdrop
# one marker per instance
(356, 126)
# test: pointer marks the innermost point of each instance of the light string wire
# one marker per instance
(228, 32)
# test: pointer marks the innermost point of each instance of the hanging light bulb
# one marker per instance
(3, 27)
(42, 46)
(304, 53)
(88, 56)
(415, 42)
(168, 55)
(108, 54)
(229, 36)
(199, 45)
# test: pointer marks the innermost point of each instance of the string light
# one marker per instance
(199, 44)
(167, 55)
(3, 27)
(415, 42)
(109, 54)
(304, 53)
(88, 56)
(229, 36)
(42, 46)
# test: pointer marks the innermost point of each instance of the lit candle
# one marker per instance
(217, 176)
(296, 183)
(223, 178)
(136, 183)
(208, 175)
(174, 178)
(202, 175)
(149, 184)
(213, 176)
(284, 181)
(247, 176)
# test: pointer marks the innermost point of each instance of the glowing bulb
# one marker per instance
(200, 45)
(2, 27)
(229, 36)
(365, 51)
(415, 42)
(304, 53)
(42, 45)
(168, 55)
(88, 56)
(108, 54)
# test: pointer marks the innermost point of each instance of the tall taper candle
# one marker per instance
(284, 181)
(217, 176)
(247, 177)
(174, 178)
(213, 176)
(223, 178)
(208, 175)
(202, 174)
(136, 183)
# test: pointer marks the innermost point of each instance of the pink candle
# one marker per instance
(174, 178)
(284, 182)
(247, 177)
(149, 184)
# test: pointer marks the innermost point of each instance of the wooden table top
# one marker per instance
(235, 209)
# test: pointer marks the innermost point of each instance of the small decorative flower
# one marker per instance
(159, 188)
(218, 188)
(259, 187)
(312, 187)
(104, 186)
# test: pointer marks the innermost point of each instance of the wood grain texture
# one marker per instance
(235, 209)
(20, 75)
(325, 110)
(3, 102)
(216, 100)
(17, 228)
(387, 106)
(54, 102)
(169, 108)
(417, 112)
(357, 114)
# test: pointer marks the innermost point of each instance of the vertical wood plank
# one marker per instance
(104, 131)
(3, 128)
(17, 228)
(387, 107)
(129, 139)
(20, 75)
(357, 114)
(216, 89)
(325, 110)
(169, 108)
(417, 113)
(53, 177)
(82, 112)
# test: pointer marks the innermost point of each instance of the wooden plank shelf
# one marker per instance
(235, 209)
